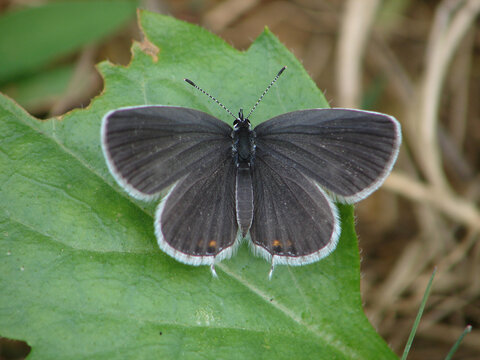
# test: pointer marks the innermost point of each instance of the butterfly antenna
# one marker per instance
(266, 90)
(210, 96)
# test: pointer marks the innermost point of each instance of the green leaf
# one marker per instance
(38, 35)
(38, 92)
(81, 274)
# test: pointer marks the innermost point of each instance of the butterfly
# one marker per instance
(275, 184)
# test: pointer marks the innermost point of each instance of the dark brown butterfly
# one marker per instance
(274, 185)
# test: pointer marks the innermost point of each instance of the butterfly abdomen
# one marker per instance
(244, 197)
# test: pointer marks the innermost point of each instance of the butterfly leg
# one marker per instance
(212, 270)
(270, 273)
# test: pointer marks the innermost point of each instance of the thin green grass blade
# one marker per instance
(419, 316)
(458, 342)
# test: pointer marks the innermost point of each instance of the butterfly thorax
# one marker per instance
(243, 146)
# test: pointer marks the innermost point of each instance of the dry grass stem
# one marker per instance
(354, 34)
(81, 83)
(455, 207)
(226, 13)
(450, 27)
(449, 334)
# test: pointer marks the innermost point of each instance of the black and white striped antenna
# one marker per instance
(210, 96)
(241, 110)
(266, 90)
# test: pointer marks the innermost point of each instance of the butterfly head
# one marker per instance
(241, 122)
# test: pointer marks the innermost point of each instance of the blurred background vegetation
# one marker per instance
(416, 60)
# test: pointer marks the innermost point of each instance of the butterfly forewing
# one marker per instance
(150, 147)
(294, 221)
(348, 152)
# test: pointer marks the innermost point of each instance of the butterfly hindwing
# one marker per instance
(294, 221)
(195, 223)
